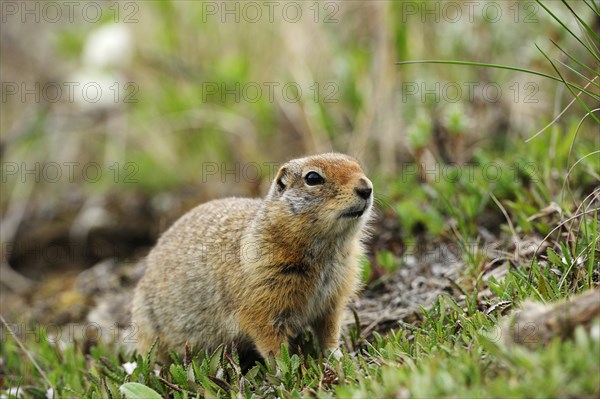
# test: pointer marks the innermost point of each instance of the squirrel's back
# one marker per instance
(184, 288)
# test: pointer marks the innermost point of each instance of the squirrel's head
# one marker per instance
(328, 192)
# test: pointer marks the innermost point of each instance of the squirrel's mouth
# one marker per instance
(354, 213)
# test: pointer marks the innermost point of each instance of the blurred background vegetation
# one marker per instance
(189, 85)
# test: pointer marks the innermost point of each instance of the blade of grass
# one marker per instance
(26, 352)
(541, 4)
(527, 279)
(556, 118)
(583, 104)
(592, 7)
(582, 22)
(560, 225)
(588, 40)
(497, 66)
(510, 225)
(591, 261)
(480, 64)
(566, 180)
(580, 75)
(578, 62)
(579, 160)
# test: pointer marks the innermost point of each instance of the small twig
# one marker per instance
(510, 225)
(175, 387)
(27, 353)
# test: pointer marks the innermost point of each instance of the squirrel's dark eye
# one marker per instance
(314, 179)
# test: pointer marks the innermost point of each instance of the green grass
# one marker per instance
(457, 351)
(440, 360)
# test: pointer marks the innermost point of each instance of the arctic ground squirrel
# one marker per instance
(258, 272)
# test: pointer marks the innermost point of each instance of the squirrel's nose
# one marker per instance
(363, 193)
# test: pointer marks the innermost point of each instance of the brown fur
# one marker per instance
(259, 272)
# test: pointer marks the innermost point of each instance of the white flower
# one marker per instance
(50, 393)
(108, 46)
(129, 367)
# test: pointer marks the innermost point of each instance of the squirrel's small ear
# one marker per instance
(282, 178)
